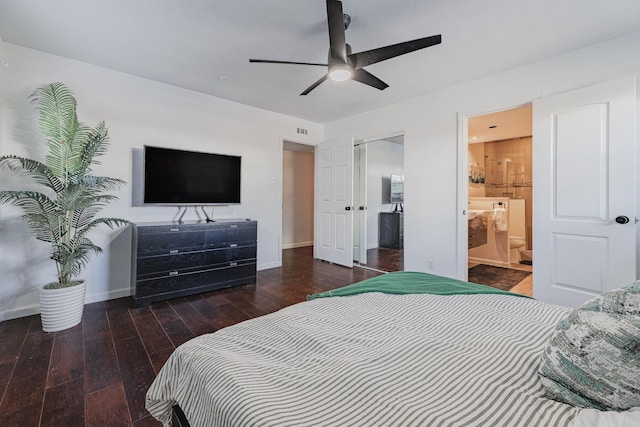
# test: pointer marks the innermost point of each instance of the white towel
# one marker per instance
(500, 220)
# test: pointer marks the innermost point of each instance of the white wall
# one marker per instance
(297, 199)
(383, 159)
(430, 126)
(137, 112)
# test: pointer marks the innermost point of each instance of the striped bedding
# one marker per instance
(369, 360)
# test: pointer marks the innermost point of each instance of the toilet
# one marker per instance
(515, 243)
(517, 230)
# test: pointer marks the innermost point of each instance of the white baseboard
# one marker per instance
(32, 309)
(268, 265)
(20, 312)
(297, 245)
(372, 245)
(104, 296)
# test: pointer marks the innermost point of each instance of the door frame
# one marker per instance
(462, 239)
(282, 140)
(361, 191)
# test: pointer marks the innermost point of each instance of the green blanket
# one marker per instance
(411, 282)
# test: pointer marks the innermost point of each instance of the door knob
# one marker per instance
(361, 208)
(622, 219)
(347, 208)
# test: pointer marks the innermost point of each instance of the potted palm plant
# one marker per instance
(63, 209)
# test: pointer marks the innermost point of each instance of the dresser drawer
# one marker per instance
(169, 242)
(195, 281)
(159, 265)
(222, 235)
(169, 228)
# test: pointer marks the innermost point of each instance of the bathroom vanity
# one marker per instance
(494, 243)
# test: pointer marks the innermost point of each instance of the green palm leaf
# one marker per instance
(57, 106)
(102, 183)
(40, 212)
(96, 146)
(30, 201)
(73, 257)
(109, 222)
(36, 170)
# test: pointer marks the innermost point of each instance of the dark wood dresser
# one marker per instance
(170, 260)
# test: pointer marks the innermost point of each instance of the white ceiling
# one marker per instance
(191, 44)
(501, 125)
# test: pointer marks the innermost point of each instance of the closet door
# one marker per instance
(333, 237)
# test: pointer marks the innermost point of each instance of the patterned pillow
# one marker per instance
(593, 356)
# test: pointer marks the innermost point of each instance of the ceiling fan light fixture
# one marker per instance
(340, 72)
(343, 64)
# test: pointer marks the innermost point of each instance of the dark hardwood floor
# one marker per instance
(97, 373)
(385, 259)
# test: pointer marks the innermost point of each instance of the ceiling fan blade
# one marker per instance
(369, 79)
(337, 43)
(368, 57)
(269, 61)
(315, 85)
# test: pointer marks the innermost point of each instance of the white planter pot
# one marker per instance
(61, 309)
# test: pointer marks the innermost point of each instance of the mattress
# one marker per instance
(371, 359)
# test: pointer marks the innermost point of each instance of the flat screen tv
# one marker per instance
(179, 177)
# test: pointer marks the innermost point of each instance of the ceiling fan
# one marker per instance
(343, 64)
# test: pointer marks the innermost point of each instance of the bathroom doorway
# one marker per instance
(499, 206)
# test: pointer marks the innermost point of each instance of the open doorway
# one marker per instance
(379, 212)
(500, 200)
(297, 195)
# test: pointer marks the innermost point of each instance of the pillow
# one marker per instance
(592, 359)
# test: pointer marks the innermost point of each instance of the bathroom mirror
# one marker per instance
(397, 189)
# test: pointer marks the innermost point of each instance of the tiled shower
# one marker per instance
(503, 169)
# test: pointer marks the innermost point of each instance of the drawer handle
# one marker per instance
(234, 226)
(233, 245)
(173, 251)
(173, 273)
(233, 264)
(174, 229)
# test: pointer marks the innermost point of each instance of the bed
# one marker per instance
(402, 349)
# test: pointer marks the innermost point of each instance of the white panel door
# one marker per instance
(584, 174)
(333, 239)
(360, 203)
